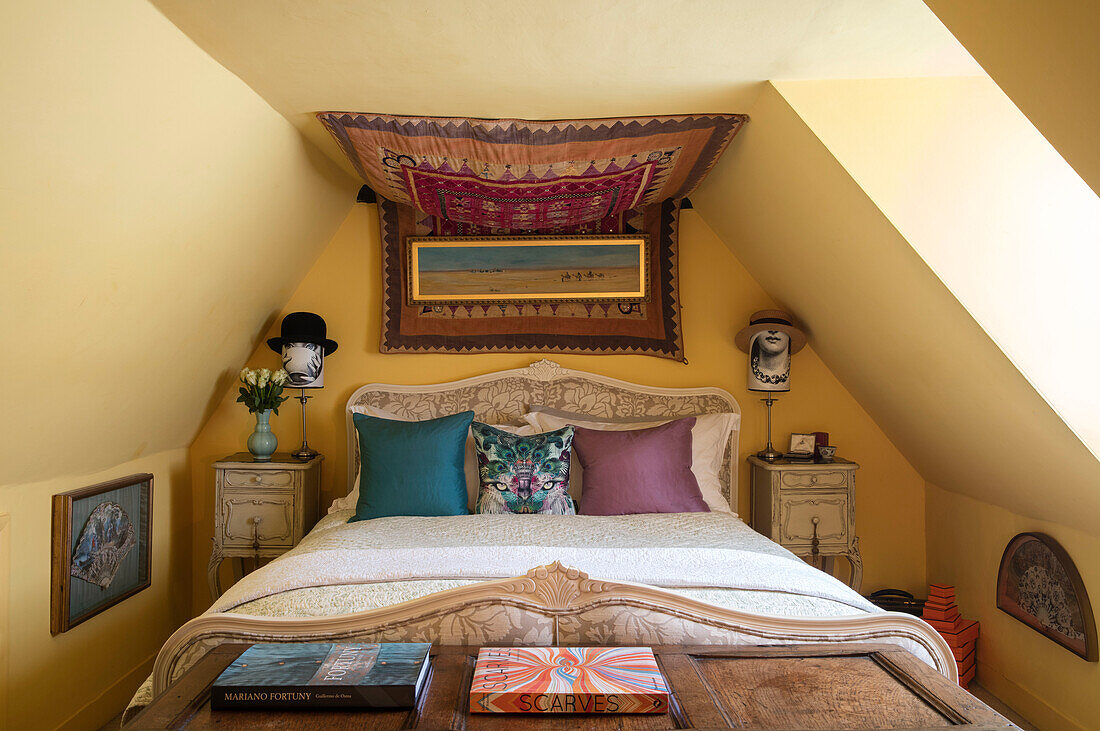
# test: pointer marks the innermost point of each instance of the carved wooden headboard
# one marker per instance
(503, 397)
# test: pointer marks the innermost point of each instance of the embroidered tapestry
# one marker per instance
(470, 177)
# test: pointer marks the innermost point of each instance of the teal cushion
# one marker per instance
(411, 467)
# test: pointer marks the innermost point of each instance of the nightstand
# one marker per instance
(261, 509)
(809, 508)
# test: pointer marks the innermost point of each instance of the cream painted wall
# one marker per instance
(989, 205)
(718, 295)
(1047, 684)
(156, 213)
(568, 58)
(1043, 54)
(83, 677)
(904, 346)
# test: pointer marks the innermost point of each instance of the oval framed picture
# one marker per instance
(1038, 584)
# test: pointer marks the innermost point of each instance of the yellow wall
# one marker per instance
(1047, 684)
(1043, 54)
(718, 295)
(156, 212)
(85, 676)
(994, 211)
(928, 374)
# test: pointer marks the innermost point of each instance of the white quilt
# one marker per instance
(683, 551)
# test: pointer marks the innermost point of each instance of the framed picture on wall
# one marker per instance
(1038, 584)
(499, 270)
(101, 548)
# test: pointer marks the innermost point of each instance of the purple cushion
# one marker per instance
(638, 471)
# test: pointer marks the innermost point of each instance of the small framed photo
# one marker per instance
(802, 444)
(101, 548)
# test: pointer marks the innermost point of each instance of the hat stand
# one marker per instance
(769, 452)
(305, 453)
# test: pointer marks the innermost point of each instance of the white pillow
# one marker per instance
(469, 462)
(709, 438)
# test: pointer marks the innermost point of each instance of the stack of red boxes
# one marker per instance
(962, 635)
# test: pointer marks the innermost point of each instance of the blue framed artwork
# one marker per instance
(101, 548)
(527, 269)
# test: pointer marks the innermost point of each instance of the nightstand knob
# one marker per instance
(813, 481)
(814, 543)
(257, 479)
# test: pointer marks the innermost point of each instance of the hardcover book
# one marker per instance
(323, 675)
(943, 591)
(941, 615)
(567, 680)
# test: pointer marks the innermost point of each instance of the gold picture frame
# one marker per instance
(465, 270)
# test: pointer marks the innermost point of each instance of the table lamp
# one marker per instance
(771, 338)
(303, 345)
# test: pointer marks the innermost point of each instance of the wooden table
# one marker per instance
(789, 687)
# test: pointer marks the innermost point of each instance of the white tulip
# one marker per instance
(244, 375)
(279, 377)
(251, 378)
(265, 374)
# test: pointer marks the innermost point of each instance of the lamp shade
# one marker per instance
(770, 361)
(304, 364)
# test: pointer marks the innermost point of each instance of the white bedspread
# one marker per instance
(694, 551)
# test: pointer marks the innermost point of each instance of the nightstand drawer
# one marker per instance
(815, 479)
(797, 513)
(246, 517)
(259, 478)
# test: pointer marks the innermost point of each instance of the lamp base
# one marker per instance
(769, 454)
(304, 453)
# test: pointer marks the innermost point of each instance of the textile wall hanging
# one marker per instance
(442, 177)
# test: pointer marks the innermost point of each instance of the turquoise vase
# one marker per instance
(262, 443)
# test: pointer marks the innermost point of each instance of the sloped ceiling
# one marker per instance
(890, 330)
(553, 60)
(156, 214)
(1044, 56)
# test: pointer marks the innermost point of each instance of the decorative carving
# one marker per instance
(546, 370)
(580, 609)
(557, 586)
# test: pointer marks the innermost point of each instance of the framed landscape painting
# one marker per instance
(500, 270)
(101, 550)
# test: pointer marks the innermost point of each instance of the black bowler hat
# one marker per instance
(302, 327)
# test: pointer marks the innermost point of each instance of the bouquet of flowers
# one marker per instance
(262, 389)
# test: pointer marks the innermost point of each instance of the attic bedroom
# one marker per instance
(327, 308)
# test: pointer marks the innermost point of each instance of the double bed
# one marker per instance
(658, 578)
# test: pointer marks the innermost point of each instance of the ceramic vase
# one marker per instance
(262, 443)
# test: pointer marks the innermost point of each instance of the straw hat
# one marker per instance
(771, 320)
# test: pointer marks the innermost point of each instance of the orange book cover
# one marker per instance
(937, 603)
(963, 650)
(965, 678)
(967, 633)
(966, 663)
(943, 615)
(567, 680)
(950, 625)
(944, 591)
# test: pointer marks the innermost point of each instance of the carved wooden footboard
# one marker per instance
(551, 605)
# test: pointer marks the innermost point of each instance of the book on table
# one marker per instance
(323, 675)
(567, 680)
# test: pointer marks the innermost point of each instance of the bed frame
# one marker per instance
(551, 604)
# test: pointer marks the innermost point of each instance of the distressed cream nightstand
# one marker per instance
(261, 509)
(810, 509)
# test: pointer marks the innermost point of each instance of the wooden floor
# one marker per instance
(998, 705)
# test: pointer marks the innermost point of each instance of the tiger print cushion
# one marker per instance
(523, 474)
